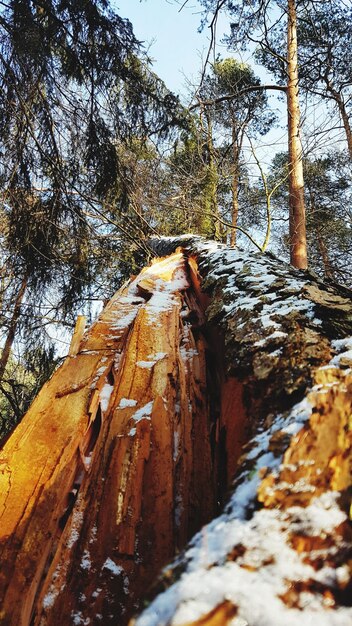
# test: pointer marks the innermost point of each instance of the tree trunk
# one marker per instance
(267, 558)
(6, 351)
(109, 441)
(298, 242)
(235, 177)
(344, 116)
(328, 271)
(133, 444)
(211, 200)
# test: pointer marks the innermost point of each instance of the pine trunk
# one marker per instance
(298, 242)
(322, 247)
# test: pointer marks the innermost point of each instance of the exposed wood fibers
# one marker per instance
(97, 495)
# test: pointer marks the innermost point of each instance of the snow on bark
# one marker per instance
(280, 553)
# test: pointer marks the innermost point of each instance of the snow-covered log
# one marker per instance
(215, 386)
(280, 552)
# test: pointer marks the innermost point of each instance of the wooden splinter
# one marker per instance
(77, 335)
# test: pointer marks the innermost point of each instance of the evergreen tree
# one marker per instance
(255, 22)
(324, 56)
(76, 86)
(328, 189)
(245, 111)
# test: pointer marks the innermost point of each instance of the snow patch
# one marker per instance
(145, 364)
(176, 447)
(157, 357)
(187, 355)
(105, 396)
(86, 562)
(259, 576)
(77, 521)
(152, 360)
(160, 302)
(126, 402)
(144, 412)
(112, 567)
(79, 620)
(126, 320)
(54, 590)
(277, 334)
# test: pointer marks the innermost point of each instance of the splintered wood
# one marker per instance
(157, 411)
(98, 483)
(298, 547)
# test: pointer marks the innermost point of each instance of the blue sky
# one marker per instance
(178, 48)
(176, 44)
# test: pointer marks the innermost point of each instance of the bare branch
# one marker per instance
(233, 96)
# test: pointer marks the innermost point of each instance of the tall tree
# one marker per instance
(255, 22)
(298, 239)
(246, 111)
(328, 188)
(324, 54)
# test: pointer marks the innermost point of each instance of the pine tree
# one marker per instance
(76, 85)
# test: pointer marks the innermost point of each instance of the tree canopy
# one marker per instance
(77, 88)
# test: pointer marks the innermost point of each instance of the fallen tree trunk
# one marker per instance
(280, 553)
(133, 444)
(109, 442)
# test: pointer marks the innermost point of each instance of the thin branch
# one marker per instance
(233, 96)
(225, 223)
(183, 6)
(212, 27)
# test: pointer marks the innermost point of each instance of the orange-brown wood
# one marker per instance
(220, 616)
(99, 481)
(234, 420)
(41, 460)
(319, 457)
(133, 510)
(77, 335)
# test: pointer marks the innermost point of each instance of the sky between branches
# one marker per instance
(170, 32)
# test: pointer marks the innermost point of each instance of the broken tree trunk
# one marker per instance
(109, 442)
(132, 445)
(280, 553)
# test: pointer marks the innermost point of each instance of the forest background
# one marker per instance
(97, 154)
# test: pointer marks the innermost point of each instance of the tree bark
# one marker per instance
(344, 116)
(211, 204)
(322, 247)
(6, 351)
(235, 176)
(298, 241)
(328, 271)
(287, 521)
